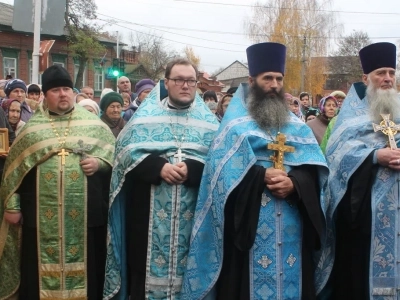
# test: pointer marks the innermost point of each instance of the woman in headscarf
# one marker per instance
(90, 106)
(295, 107)
(328, 107)
(111, 107)
(12, 108)
(223, 106)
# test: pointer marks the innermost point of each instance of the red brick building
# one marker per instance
(16, 55)
(208, 83)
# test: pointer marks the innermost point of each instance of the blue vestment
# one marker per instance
(157, 129)
(351, 142)
(275, 271)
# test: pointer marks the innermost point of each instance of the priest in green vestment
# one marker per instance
(54, 200)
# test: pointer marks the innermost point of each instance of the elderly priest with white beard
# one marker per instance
(364, 182)
(259, 216)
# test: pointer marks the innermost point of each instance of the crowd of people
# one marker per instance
(163, 193)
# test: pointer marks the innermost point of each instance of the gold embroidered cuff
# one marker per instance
(13, 204)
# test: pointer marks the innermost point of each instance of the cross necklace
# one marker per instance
(178, 142)
(61, 140)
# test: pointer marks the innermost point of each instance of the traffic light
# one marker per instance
(115, 67)
(121, 66)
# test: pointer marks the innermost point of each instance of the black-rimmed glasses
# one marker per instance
(181, 82)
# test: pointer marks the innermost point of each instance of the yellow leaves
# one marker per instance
(301, 25)
(191, 56)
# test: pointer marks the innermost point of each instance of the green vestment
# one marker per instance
(61, 200)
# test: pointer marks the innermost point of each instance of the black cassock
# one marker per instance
(350, 274)
(97, 210)
(241, 222)
(139, 181)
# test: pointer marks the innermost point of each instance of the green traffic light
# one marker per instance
(115, 72)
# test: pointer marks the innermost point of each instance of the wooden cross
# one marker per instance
(179, 155)
(82, 149)
(63, 153)
(280, 148)
(388, 128)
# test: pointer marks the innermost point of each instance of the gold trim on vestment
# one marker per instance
(3, 234)
(62, 295)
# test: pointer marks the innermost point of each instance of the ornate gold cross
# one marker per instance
(388, 128)
(63, 153)
(280, 148)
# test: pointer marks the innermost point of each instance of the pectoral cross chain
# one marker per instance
(63, 154)
(280, 148)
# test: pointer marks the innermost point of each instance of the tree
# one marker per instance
(82, 35)
(304, 26)
(154, 54)
(191, 56)
(345, 61)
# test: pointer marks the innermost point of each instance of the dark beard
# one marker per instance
(268, 109)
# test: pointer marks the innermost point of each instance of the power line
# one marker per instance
(222, 32)
(227, 50)
(149, 26)
(290, 8)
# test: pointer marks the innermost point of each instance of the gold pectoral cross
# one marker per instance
(63, 154)
(280, 148)
(388, 128)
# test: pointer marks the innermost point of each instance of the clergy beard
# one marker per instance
(268, 109)
(382, 102)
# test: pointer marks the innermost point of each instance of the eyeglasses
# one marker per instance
(181, 82)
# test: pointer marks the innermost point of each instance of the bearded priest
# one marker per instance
(364, 181)
(259, 215)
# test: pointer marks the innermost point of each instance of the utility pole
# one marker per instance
(303, 63)
(36, 41)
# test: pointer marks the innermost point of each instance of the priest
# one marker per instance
(54, 200)
(159, 161)
(259, 217)
(363, 184)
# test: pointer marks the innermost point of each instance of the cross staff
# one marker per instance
(280, 148)
(63, 154)
(82, 149)
(388, 128)
(179, 155)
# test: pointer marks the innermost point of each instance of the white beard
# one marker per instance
(383, 102)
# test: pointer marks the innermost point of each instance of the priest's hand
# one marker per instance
(387, 157)
(184, 170)
(12, 218)
(89, 166)
(172, 174)
(272, 173)
(281, 187)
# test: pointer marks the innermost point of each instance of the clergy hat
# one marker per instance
(379, 55)
(266, 57)
(56, 76)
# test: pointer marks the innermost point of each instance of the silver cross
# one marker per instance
(82, 149)
(179, 155)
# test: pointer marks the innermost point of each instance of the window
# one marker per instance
(59, 59)
(10, 67)
(76, 69)
(30, 74)
(98, 79)
(58, 64)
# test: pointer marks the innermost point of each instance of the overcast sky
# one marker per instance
(215, 31)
